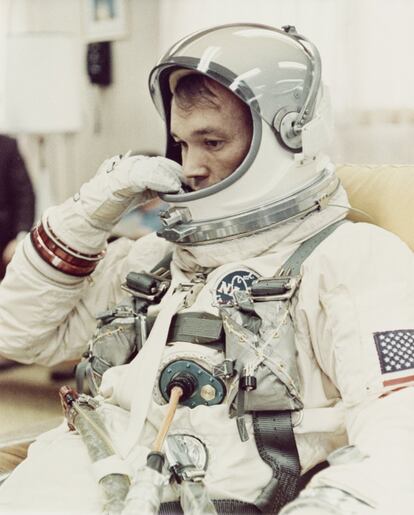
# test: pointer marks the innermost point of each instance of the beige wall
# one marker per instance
(114, 119)
(124, 110)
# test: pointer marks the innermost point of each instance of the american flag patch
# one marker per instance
(396, 355)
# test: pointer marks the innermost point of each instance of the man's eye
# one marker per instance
(215, 144)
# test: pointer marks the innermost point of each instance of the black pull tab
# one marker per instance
(240, 419)
(247, 383)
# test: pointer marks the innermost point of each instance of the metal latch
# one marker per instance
(145, 285)
(187, 457)
(274, 288)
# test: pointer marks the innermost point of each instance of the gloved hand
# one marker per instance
(120, 184)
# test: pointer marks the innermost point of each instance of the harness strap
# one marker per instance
(273, 430)
(197, 327)
(276, 444)
(223, 506)
(306, 248)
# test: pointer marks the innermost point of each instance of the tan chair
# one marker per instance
(384, 192)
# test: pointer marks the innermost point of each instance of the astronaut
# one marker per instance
(296, 325)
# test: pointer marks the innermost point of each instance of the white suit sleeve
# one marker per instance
(358, 290)
(46, 316)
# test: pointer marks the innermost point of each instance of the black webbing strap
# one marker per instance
(276, 444)
(223, 507)
(273, 430)
(197, 327)
(294, 263)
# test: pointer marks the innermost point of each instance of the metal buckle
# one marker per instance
(162, 286)
(274, 288)
(191, 474)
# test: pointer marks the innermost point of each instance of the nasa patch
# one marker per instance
(231, 282)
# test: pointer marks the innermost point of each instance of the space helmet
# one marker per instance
(285, 174)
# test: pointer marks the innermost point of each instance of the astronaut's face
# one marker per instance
(214, 139)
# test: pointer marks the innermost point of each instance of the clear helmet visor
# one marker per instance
(268, 69)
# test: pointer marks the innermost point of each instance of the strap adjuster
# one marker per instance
(274, 288)
(145, 285)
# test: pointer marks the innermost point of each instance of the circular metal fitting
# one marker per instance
(208, 392)
(290, 137)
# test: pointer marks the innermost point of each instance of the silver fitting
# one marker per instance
(87, 400)
(274, 288)
(174, 216)
(187, 457)
(192, 474)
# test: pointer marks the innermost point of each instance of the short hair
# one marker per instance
(195, 89)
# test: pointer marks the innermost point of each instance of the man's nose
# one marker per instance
(194, 164)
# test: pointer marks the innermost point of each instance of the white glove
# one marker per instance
(120, 184)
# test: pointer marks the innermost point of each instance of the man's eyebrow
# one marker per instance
(203, 132)
(208, 130)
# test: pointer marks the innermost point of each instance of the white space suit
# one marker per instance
(353, 319)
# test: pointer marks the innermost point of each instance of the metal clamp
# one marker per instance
(160, 286)
(274, 288)
(187, 457)
(86, 400)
